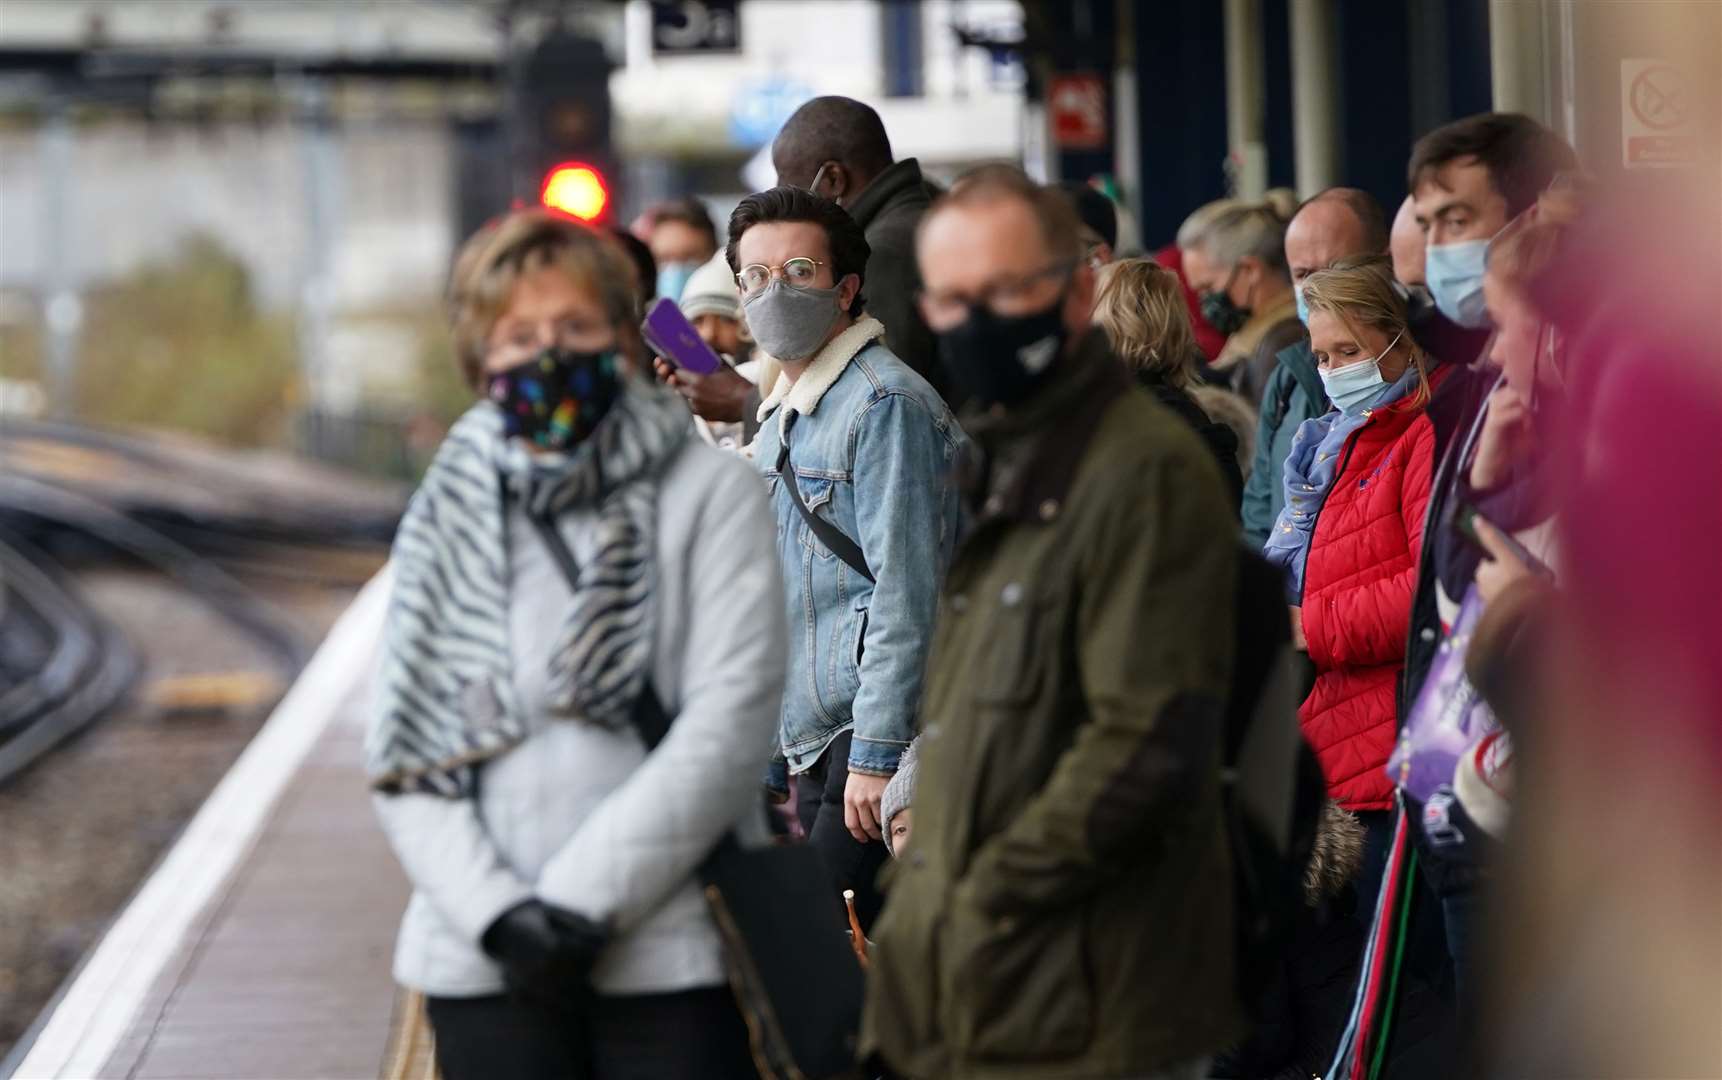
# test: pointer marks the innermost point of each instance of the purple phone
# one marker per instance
(670, 334)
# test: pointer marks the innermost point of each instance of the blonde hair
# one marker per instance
(1359, 292)
(1140, 305)
(498, 255)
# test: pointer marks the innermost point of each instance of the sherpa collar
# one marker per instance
(804, 394)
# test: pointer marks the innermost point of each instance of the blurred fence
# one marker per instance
(380, 442)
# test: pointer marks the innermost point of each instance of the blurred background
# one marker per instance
(225, 227)
(234, 219)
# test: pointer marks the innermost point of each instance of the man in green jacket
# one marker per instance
(1066, 908)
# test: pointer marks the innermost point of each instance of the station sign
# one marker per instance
(696, 26)
(1658, 116)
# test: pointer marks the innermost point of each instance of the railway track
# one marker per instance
(72, 498)
(67, 665)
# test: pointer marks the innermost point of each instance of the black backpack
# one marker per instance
(1273, 789)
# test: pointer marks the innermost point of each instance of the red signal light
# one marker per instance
(576, 189)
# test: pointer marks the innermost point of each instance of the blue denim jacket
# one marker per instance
(872, 450)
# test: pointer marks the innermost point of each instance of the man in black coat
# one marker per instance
(837, 147)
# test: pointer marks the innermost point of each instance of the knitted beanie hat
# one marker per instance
(900, 792)
(711, 290)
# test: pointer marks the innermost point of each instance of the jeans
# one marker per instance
(819, 803)
(695, 1033)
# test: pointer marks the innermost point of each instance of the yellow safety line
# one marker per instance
(412, 1048)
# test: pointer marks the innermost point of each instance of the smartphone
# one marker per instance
(672, 337)
(1465, 520)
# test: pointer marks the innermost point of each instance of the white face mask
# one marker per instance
(1353, 387)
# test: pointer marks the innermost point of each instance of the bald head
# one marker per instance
(841, 135)
(1339, 223)
(1405, 242)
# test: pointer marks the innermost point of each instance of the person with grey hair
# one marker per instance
(1234, 258)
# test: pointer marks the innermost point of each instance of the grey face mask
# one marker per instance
(790, 323)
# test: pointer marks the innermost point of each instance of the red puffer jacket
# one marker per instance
(1358, 580)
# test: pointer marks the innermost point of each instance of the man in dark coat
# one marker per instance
(1065, 909)
(837, 147)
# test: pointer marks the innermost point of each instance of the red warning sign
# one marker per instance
(1077, 104)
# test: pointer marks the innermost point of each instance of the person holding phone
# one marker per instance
(1357, 483)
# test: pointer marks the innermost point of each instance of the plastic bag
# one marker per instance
(1448, 717)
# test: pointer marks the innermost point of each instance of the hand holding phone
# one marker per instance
(1506, 560)
(672, 337)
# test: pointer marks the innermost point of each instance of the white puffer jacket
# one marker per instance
(583, 817)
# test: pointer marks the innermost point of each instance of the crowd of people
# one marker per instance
(954, 571)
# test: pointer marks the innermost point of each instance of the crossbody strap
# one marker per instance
(830, 535)
(648, 714)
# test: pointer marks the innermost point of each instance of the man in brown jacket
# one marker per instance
(1065, 910)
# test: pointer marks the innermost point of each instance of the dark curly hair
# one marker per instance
(849, 248)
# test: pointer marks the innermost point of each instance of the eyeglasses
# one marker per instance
(945, 309)
(800, 273)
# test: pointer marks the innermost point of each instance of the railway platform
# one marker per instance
(260, 947)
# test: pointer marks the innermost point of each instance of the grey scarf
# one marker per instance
(447, 699)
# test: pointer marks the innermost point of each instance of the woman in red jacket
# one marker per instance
(1357, 482)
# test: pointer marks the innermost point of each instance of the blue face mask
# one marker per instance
(1455, 276)
(1302, 307)
(1355, 385)
(673, 278)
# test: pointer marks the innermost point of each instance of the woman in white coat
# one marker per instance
(557, 927)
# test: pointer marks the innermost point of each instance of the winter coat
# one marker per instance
(1293, 394)
(888, 209)
(1208, 339)
(1357, 582)
(1454, 409)
(1248, 357)
(1222, 443)
(872, 449)
(1065, 909)
(582, 816)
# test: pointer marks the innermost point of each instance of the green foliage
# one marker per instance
(442, 390)
(180, 343)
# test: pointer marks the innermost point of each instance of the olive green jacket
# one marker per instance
(1064, 909)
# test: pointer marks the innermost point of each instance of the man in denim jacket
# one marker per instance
(871, 453)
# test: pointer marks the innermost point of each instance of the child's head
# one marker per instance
(897, 833)
(712, 302)
(894, 804)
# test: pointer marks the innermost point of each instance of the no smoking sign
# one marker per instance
(1657, 129)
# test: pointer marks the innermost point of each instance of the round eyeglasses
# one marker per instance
(800, 273)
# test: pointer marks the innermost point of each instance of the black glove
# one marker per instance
(546, 952)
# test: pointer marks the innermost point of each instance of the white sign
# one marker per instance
(1658, 128)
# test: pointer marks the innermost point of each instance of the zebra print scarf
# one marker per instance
(447, 698)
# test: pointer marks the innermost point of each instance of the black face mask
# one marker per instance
(994, 360)
(1222, 312)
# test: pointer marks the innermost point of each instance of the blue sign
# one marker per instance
(761, 107)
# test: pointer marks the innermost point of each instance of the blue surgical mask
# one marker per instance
(1353, 387)
(1302, 306)
(1455, 276)
(673, 278)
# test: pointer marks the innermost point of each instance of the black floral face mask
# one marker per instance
(556, 399)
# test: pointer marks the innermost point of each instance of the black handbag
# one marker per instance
(795, 977)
